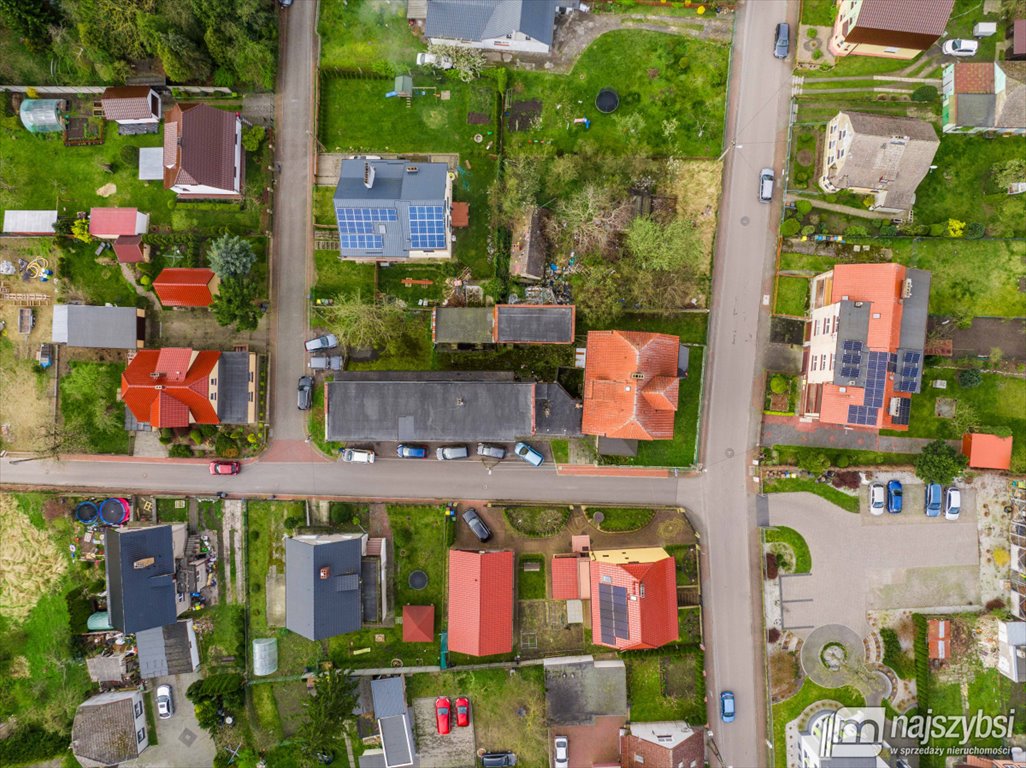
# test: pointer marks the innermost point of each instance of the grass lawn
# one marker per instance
(421, 537)
(83, 278)
(819, 13)
(788, 710)
(845, 501)
(686, 556)
(689, 624)
(792, 296)
(671, 97)
(968, 277)
(366, 35)
(621, 519)
(682, 451)
(265, 719)
(998, 401)
(790, 455)
(806, 263)
(94, 418)
(226, 639)
(169, 512)
(315, 422)
(335, 277)
(508, 710)
(797, 543)
(560, 451)
(537, 521)
(530, 584)
(962, 187)
(391, 276)
(324, 206)
(691, 327)
(668, 687)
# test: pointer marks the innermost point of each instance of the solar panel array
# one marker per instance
(361, 221)
(908, 371)
(362, 242)
(904, 411)
(862, 415)
(427, 226)
(851, 359)
(876, 379)
(613, 613)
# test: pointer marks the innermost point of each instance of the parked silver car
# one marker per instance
(491, 451)
(450, 452)
(165, 702)
(326, 362)
(327, 341)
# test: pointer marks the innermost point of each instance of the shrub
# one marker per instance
(888, 230)
(196, 436)
(790, 227)
(294, 521)
(145, 281)
(129, 154)
(814, 463)
(778, 384)
(842, 461)
(924, 93)
(808, 229)
(180, 451)
(30, 744)
(970, 378)
(974, 231)
(804, 207)
(849, 480)
(856, 230)
(817, 55)
(997, 604)
(771, 566)
(955, 228)
(253, 137)
(772, 635)
(938, 230)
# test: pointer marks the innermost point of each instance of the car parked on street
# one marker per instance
(561, 752)
(766, 185)
(491, 451)
(498, 759)
(952, 504)
(477, 525)
(531, 455)
(357, 456)
(327, 341)
(782, 40)
(934, 497)
(165, 702)
(225, 467)
(442, 720)
(960, 47)
(451, 452)
(894, 496)
(305, 392)
(408, 451)
(727, 706)
(877, 499)
(462, 712)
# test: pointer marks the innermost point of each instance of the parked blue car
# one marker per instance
(407, 451)
(727, 706)
(894, 497)
(934, 492)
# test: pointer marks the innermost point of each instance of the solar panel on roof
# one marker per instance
(904, 411)
(427, 226)
(362, 242)
(852, 345)
(613, 613)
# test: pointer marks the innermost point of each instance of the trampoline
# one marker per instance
(418, 580)
(114, 511)
(87, 512)
(607, 101)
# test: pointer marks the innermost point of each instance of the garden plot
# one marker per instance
(544, 629)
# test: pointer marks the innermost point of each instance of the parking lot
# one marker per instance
(455, 749)
(914, 500)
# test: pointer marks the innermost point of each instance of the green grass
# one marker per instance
(560, 451)
(657, 76)
(691, 327)
(508, 710)
(347, 278)
(366, 35)
(324, 206)
(530, 584)
(167, 512)
(789, 536)
(840, 458)
(315, 422)
(420, 538)
(537, 522)
(689, 624)
(646, 686)
(806, 263)
(94, 283)
(682, 450)
(792, 296)
(390, 281)
(962, 188)
(851, 66)
(226, 639)
(819, 13)
(800, 484)
(999, 401)
(416, 354)
(90, 408)
(686, 557)
(895, 657)
(266, 720)
(788, 710)
(622, 519)
(968, 277)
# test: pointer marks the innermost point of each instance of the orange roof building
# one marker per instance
(176, 387)
(987, 451)
(565, 584)
(633, 598)
(418, 623)
(631, 385)
(863, 349)
(183, 287)
(480, 602)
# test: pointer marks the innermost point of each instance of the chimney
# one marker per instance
(906, 289)
(368, 175)
(325, 573)
(143, 562)
(412, 169)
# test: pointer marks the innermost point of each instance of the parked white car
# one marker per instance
(434, 60)
(960, 47)
(877, 499)
(952, 504)
(357, 456)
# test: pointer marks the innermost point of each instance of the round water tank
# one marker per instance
(265, 656)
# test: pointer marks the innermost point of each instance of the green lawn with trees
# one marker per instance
(789, 536)
(93, 419)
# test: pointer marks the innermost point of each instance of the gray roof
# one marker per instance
(576, 693)
(320, 606)
(852, 325)
(463, 325)
(915, 311)
(140, 577)
(104, 730)
(107, 669)
(530, 324)
(370, 591)
(479, 20)
(389, 696)
(429, 406)
(393, 187)
(168, 650)
(233, 388)
(976, 109)
(556, 413)
(81, 325)
(394, 720)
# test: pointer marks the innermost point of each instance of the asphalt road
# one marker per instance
(292, 246)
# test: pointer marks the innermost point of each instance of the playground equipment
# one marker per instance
(114, 511)
(583, 121)
(87, 513)
(607, 101)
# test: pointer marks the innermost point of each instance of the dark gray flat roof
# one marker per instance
(527, 324)
(392, 406)
(463, 325)
(578, 692)
(233, 388)
(556, 413)
(852, 325)
(914, 311)
(82, 325)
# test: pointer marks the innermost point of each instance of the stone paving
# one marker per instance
(788, 430)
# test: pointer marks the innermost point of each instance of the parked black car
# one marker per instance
(477, 525)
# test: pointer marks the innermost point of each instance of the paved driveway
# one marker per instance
(181, 742)
(861, 562)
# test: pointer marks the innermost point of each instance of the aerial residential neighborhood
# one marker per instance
(543, 383)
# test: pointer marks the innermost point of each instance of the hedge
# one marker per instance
(30, 744)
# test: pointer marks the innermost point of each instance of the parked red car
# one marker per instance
(442, 714)
(225, 467)
(462, 712)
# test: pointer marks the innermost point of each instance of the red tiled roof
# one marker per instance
(129, 102)
(637, 752)
(938, 638)
(182, 287)
(880, 285)
(418, 623)
(630, 385)
(987, 451)
(480, 602)
(111, 222)
(199, 147)
(974, 77)
(169, 387)
(564, 578)
(460, 214)
(651, 617)
(128, 249)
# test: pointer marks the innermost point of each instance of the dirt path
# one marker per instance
(126, 272)
(231, 531)
(860, 212)
(379, 525)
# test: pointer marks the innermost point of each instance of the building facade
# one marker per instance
(894, 30)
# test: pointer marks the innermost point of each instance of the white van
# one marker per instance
(766, 185)
(357, 456)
